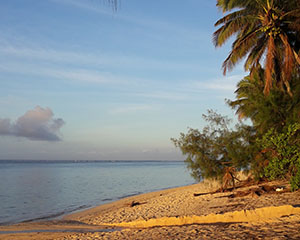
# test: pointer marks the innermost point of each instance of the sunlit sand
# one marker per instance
(193, 212)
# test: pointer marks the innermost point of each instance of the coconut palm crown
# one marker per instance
(264, 30)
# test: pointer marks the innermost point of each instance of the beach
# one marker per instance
(261, 211)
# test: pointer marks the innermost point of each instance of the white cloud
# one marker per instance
(132, 109)
(224, 84)
(36, 124)
(90, 59)
(13, 101)
(165, 95)
(86, 6)
(79, 75)
(155, 24)
(51, 55)
(74, 74)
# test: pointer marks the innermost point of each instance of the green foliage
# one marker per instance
(276, 110)
(216, 147)
(265, 32)
(281, 149)
(295, 180)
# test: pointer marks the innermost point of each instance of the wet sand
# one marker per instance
(190, 212)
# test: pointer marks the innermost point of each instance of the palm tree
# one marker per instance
(248, 96)
(275, 110)
(265, 30)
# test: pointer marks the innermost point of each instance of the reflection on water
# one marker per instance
(36, 190)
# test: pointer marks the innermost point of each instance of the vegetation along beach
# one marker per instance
(128, 97)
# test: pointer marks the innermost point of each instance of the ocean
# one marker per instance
(36, 190)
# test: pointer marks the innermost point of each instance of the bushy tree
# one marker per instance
(282, 153)
(211, 151)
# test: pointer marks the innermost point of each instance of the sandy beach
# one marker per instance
(263, 211)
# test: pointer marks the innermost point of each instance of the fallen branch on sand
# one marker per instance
(134, 203)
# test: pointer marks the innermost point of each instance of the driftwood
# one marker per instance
(254, 192)
(258, 191)
(202, 194)
(134, 203)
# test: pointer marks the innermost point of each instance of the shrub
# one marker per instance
(281, 149)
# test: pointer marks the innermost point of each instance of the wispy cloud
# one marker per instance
(35, 124)
(49, 55)
(75, 74)
(92, 6)
(129, 109)
(160, 25)
(87, 67)
(222, 84)
(12, 101)
(170, 95)
(89, 59)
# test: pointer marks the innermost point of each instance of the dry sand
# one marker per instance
(178, 214)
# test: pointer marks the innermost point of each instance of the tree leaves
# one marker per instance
(263, 29)
(211, 151)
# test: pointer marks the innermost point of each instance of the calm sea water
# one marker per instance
(42, 190)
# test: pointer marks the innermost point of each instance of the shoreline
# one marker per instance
(127, 200)
(179, 208)
(64, 188)
(66, 213)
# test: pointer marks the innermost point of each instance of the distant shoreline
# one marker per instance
(81, 161)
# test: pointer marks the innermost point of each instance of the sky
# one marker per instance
(79, 81)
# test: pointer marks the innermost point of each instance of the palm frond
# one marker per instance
(240, 48)
(230, 28)
(256, 54)
(289, 62)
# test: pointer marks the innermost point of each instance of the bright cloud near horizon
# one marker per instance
(35, 124)
(82, 82)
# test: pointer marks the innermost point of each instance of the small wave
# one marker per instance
(6, 223)
(55, 215)
(107, 199)
(130, 195)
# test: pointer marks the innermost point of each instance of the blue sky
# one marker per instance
(79, 81)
